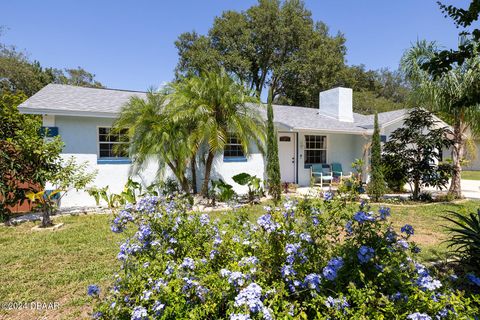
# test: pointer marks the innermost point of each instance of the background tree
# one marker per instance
(273, 167)
(453, 94)
(19, 74)
(220, 107)
(278, 44)
(376, 186)
(415, 149)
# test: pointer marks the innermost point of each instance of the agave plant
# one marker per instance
(465, 238)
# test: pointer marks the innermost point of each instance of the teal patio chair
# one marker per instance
(323, 172)
(338, 172)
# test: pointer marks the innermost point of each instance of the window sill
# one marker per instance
(234, 159)
(114, 161)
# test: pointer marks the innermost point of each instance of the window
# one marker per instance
(233, 148)
(112, 145)
(315, 149)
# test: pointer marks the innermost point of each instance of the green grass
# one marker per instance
(57, 266)
(471, 175)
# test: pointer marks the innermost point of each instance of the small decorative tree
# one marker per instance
(273, 166)
(415, 149)
(376, 186)
(24, 153)
(69, 175)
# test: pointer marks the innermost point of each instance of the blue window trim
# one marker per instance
(307, 166)
(234, 159)
(114, 161)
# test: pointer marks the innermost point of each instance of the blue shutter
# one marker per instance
(49, 131)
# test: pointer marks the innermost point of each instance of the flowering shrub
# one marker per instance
(306, 260)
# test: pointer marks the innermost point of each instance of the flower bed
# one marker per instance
(306, 260)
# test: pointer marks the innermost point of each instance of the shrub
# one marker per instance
(306, 260)
(465, 240)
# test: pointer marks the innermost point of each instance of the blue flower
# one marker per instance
(97, 315)
(204, 219)
(139, 313)
(236, 278)
(402, 244)
(170, 251)
(312, 281)
(408, 229)
(419, 316)
(287, 270)
(93, 290)
(338, 303)
(267, 224)
(362, 216)
(327, 196)
(188, 263)
(330, 271)
(213, 253)
(251, 297)
(144, 232)
(365, 254)
(425, 281)
(158, 308)
(348, 228)
(306, 237)
(473, 279)
(384, 212)
(248, 260)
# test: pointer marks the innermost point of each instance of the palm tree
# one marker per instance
(153, 135)
(454, 95)
(217, 106)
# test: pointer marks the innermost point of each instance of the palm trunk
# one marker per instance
(193, 168)
(416, 189)
(457, 153)
(208, 169)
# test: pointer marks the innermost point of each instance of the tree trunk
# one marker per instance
(457, 154)
(208, 168)
(416, 189)
(46, 220)
(193, 168)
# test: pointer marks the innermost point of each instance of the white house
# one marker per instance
(330, 133)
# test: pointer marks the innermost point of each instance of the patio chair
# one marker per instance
(323, 172)
(338, 172)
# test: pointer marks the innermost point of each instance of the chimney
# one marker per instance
(337, 103)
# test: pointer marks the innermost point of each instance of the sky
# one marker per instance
(130, 44)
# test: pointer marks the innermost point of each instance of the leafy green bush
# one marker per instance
(307, 260)
(221, 190)
(253, 183)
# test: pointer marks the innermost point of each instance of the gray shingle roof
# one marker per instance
(59, 98)
(65, 99)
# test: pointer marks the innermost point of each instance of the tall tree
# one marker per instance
(220, 107)
(376, 186)
(272, 43)
(454, 94)
(273, 166)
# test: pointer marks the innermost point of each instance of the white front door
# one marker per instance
(286, 156)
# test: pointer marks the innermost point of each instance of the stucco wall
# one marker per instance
(341, 148)
(80, 137)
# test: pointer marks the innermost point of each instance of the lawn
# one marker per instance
(471, 175)
(45, 266)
